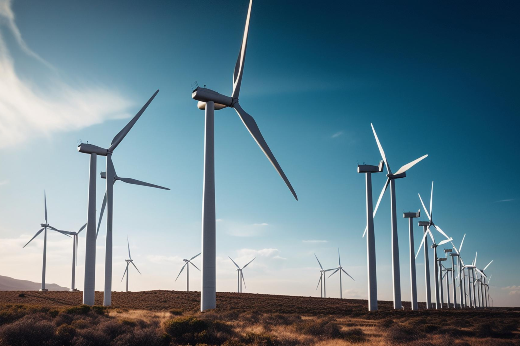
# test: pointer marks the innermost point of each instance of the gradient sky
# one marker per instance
(437, 78)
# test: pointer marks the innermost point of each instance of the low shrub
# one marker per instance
(65, 333)
(176, 312)
(320, 328)
(191, 330)
(29, 330)
(79, 310)
(354, 335)
(260, 339)
(399, 334)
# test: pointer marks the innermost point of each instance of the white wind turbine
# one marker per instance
(413, 277)
(187, 262)
(211, 100)
(74, 254)
(90, 247)
(321, 281)
(44, 230)
(240, 274)
(340, 269)
(482, 281)
(401, 173)
(460, 268)
(128, 262)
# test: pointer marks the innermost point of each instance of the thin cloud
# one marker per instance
(506, 200)
(314, 241)
(4, 182)
(513, 290)
(337, 134)
(26, 110)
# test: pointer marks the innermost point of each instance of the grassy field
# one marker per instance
(172, 318)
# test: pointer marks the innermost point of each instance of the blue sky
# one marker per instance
(434, 78)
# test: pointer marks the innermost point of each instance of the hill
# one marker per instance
(10, 284)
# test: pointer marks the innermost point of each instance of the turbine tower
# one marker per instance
(210, 101)
(44, 230)
(322, 279)
(128, 262)
(74, 254)
(401, 173)
(90, 247)
(440, 260)
(462, 288)
(425, 225)
(187, 262)
(447, 252)
(413, 289)
(340, 269)
(240, 274)
(369, 230)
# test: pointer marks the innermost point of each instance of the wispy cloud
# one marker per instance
(337, 134)
(27, 110)
(4, 182)
(512, 290)
(314, 241)
(240, 229)
(506, 200)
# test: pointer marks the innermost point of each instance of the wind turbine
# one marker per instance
(322, 279)
(240, 274)
(74, 254)
(413, 290)
(471, 282)
(440, 260)
(482, 283)
(424, 225)
(44, 230)
(369, 230)
(461, 270)
(340, 269)
(90, 247)
(187, 262)
(128, 262)
(447, 252)
(401, 173)
(210, 101)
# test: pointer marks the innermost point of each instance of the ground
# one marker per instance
(173, 318)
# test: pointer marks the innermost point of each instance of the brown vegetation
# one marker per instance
(172, 318)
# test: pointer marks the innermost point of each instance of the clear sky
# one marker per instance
(436, 78)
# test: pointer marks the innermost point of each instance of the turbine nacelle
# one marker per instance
(92, 149)
(396, 176)
(206, 95)
(371, 168)
(44, 225)
(424, 223)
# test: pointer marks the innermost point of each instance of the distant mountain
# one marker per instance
(10, 284)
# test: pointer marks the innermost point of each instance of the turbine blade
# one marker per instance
(103, 205)
(248, 263)
(37, 233)
(339, 258)
(195, 266)
(81, 229)
(381, 150)
(481, 273)
(128, 242)
(319, 282)
(431, 201)
(378, 201)
(181, 271)
(135, 266)
(124, 273)
(234, 262)
(244, 280)
(121, 135)
(344, 271)
(318, 261)
(441, 231)
(195, 256)
(431, 235)
(411, 164)
(138, 182)
(426, 211)
(251, 125)
(239, 66)
(334, 272)
(460, 248)
(422, 243)
(488, 265)
(445, 241)
(45, 202)
(475, 260)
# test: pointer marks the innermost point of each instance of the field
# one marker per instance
(172, 318)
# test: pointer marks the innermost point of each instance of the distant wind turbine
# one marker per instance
(210, 101)
(321, 281)
(413, 284)
(90, 248)
(401, 173)
(461, 270)
(340, 269)
(187, 262)
(128, 262)
(74, 254)
(44, 230)
(240, 274)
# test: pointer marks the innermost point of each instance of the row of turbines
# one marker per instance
(477, 293)
(210, 101)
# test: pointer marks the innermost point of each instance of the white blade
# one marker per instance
(124, 273)
(318, 261)
(347, 274)
(234, 262)
(441, 231)
(381, 150)
(445, 241)
(410, 165)
(135, 266)
(339, 258)
(103, 205)
(242, 275)
(195, 256)
(37, 233)
(129, 255)
(475, 260)
(194, 266)
(422, 243)
(251, 125)
(181, 271)
(60, 231)
(121, 135)
(45, 202)
(488, 265)
(424, 207)
(318, 282)
(81, 229)
(248, 263)
(138, 182)
(378, 201)
(431, 201)
(462, 242)
(481, 273)
(239, 66)
(335, 271)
